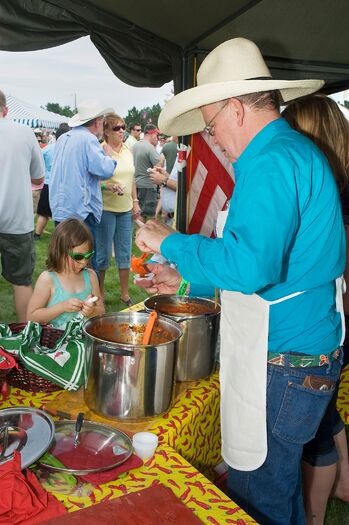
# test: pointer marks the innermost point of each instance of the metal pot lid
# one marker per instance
(28, 430)
(84, 447)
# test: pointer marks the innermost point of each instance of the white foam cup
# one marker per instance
(144, 444)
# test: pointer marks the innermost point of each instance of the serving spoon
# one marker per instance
(149, 327)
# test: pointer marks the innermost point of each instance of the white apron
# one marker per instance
(243, 372)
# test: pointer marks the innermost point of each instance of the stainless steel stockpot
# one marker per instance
(127, 380)
(199, 320)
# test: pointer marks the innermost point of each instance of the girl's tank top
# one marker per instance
(60, 294)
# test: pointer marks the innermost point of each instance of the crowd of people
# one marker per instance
(88, 171)
(278, 258)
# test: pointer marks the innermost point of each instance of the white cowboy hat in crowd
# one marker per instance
(88, 110)
(234, 68)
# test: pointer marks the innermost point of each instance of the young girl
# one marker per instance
(63, 291)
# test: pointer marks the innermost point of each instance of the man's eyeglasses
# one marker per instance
(209, 128)
(138, 130)
(76, 256)
(117, 128)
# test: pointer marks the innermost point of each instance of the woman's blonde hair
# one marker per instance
(320, 118)
(110, 120)
(67, 235)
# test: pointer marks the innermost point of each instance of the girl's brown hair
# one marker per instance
(67, 235)
(320, 118)
(112, 119)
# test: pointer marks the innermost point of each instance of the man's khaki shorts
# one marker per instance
(17, 257)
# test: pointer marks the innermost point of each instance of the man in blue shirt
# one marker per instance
(278, 261)
(79, 165)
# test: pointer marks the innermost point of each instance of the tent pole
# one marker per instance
(181, 213)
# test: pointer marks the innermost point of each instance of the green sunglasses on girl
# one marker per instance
(76, 256)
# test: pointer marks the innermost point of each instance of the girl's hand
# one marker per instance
(72, 305)
(88, 307)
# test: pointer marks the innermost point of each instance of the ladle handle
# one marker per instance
(78, 425)
(149, 327)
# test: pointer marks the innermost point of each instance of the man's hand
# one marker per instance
(158, 175)
(150, 236)
(108, 150)
(165, 280)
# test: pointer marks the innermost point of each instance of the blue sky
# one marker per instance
(75, 69)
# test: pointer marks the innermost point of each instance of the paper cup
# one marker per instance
(144, 444)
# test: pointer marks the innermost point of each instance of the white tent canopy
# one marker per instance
(31, 115)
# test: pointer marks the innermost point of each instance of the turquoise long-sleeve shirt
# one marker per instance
(284, 233)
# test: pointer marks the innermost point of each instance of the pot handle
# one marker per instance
(105, 349)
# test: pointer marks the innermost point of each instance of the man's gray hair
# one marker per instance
(264, 100)
(2, 101)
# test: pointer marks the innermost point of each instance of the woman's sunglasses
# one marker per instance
(76, 256)
(117, 128)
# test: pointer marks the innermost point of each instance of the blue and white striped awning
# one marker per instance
(31, 115)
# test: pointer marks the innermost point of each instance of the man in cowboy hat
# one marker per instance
(79, 165)
(278, 258)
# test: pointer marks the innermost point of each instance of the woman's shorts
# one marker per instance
(43, 208)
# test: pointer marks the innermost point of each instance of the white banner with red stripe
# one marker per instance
(210, 184)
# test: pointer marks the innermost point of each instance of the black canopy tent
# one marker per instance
(149, 43)
(152, 42)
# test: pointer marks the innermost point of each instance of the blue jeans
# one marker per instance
(272, 494)
(92, 223)
(114, 228)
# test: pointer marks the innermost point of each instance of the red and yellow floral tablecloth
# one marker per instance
(343, 396)
(209, 504)
(189, 435)
(191, 426)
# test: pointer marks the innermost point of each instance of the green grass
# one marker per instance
(337, 512)
(112, 288)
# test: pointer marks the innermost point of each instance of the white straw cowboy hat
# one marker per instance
(234, 68)
(88, 110)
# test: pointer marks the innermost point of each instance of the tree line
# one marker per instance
(143, 116)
